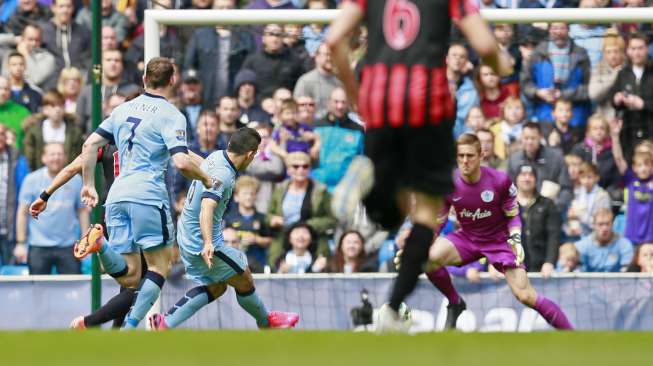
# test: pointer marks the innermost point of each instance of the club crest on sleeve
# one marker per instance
(487, 196)
(181, 135)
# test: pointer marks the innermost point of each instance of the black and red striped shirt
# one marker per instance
(404, 78)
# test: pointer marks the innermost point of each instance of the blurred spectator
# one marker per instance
(274, 109)
(13, 169)
(267, 167)
(40, 65)
(319, 82)
(475, 120)
(306, 110)
(568, 259)
(275, 66)
(228, 113)
(540, 223)
(350, 255)
(560, 134)
(67, 41)
(217, 53)
(639, 199)
(27, 12)
(109, 39)
(632, 95)
(596, 148)
(603, 250)
(245, 92)
(293, 40)
(69, 86)
(573, 163)
(558, 68)
(53, 125)
(643, 259)
(267, 5)
(300, 251)
(111, 103)
(492, 93)
(604, 74)
(292, 135)
(113, 81)
(110, 17)
(488, 157)
(552, 177)
(230, 237)
(170, 45)
(504, 34)
(341, 139)
(47, 242)
(508, 131)
(12, 114)
(460, 85)
(314, 33)
(300, 199)
(253, 231)
(206, 134)
(589, 36)
(588, 199)
(21, 91)
(191, 99)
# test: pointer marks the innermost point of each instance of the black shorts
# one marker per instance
(417, 158)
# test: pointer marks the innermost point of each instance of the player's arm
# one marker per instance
(189, 169)
(89, 159)
(196, 158)
(40, 204)
(208, 205)
(20, 250)
(338, 41)
(480, 37)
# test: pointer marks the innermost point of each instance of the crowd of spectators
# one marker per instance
(572, 126)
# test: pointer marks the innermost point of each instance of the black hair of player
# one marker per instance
(243, 141)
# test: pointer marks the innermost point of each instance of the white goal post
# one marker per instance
(155, 18)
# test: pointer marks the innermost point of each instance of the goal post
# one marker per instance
(156, 18)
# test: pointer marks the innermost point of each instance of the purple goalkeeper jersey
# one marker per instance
(639, 208)
(486, 210)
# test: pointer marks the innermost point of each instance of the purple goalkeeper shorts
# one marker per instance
(498, 253)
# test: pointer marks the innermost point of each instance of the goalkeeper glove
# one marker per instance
(517, 248)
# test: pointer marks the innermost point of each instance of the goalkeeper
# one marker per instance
(486, 208)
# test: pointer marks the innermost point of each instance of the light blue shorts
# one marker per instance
(227, 262)
(134, 226)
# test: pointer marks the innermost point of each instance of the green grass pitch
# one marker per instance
(272, 348)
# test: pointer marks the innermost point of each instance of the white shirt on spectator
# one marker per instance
(638, 71)
(53, 134)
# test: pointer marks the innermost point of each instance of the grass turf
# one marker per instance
(272, 348)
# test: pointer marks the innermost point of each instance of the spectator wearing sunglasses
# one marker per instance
(299, 199)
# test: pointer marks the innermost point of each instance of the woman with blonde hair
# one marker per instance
(604, 74)
(70, 85)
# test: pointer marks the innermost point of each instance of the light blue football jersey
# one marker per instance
(147, 131)
(219, 168)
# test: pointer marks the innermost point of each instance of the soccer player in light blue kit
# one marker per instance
(208, 261)
(148, 131)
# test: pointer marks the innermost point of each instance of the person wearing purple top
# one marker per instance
(639, 199)
(292, 135)
(485, 203)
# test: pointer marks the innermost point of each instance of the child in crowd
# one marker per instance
(567, 258)
(475, 120)
(588, 199)
(300, 243)
(560, 134)
(573, 162)
(250, 224)
(508, 131)
(643, 259)
(293, 136)
(639, 199)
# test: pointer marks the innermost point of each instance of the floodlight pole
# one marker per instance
(153, 18)
(96, 116)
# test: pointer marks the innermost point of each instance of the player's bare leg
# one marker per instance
(444, 253)
(193, 301)
(158, 262)
(249, 300)
(352, 188)
(526, 294)
(424, 210)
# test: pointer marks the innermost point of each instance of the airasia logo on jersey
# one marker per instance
(401, 20)
(475, 215)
